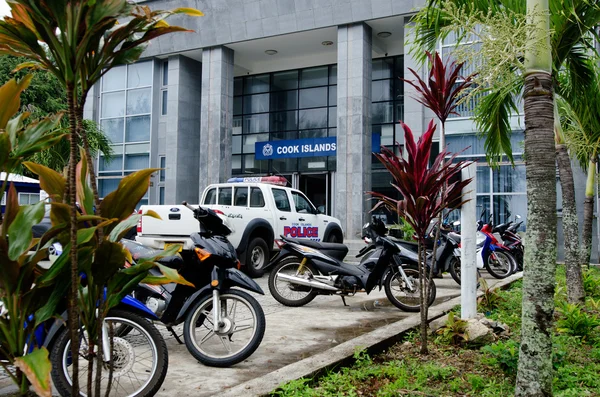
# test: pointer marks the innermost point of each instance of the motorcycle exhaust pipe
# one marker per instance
(309, 283)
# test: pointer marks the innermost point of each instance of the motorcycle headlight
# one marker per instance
(307, 250)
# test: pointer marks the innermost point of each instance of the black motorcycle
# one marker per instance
(304, 269)
(222, 325)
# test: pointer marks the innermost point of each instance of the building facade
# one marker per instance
(307, 89)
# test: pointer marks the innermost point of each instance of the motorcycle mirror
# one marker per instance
(456, 223)
(518, 216)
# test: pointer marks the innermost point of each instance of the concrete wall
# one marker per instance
(228, 21)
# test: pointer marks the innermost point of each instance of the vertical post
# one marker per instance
(468, 260)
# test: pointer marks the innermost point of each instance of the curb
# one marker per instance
(374, 342)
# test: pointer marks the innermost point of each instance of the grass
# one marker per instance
(451, 370)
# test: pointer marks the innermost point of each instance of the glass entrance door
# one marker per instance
(317, 189)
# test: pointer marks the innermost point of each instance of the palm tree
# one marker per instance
(78, 41)
(570, 39)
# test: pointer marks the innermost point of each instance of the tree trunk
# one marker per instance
(422, 258)
(73, 308)
(588, 214)
(534, 376)
(575, 291)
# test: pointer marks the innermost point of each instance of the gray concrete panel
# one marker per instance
(228, 21)
(217, 121)
(182, 130)
(353, 177)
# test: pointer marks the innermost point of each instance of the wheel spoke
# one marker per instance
(239, 328)
(209, 335)
(225, 341)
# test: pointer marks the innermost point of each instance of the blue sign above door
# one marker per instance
(309, 147)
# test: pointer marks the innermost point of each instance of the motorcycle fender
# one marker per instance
(55, 328)
(192, 299)
(284, 252)
(135, 305)
(239, 279)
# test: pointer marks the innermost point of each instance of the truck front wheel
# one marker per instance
(257, 257)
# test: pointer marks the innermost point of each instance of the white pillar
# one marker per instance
(468, 260)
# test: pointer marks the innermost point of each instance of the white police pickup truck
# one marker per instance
(258, 209)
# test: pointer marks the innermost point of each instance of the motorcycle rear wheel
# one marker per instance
(287, 293)
(242, 332)
(398, 293)
(455, 271)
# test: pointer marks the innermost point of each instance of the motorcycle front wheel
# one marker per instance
(286, 292)
(455, 271)
(139, 363)
(239, 335)
(500, 264)
(401, 295)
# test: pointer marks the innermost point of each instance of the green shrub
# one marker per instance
(453, 332)
(503, 354)
(591, 283)
(490, 300)
(576, 322)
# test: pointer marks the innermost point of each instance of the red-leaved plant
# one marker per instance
(426, 192)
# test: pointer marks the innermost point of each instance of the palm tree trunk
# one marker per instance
(534, 376)
(588, 213)
(422, 258)
(575, 291)
(73, 308)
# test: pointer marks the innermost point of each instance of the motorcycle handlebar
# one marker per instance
(198, 211)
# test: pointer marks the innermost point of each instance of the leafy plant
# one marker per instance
(503, 354)
(591, 283)
(575, 321)
(406, 229)
(490, 299)
(20, 291)
(454, 331)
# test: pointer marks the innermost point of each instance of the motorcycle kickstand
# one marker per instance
(172, 331)
(344, 300)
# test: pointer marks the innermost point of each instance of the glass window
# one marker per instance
(256, 123)
(313, 118)
(241, 197)
(313, 163)
(237, 105)
(302, 204)
(284, 121)
(236, 144)
(281, 200)
(113, 129)
(106, 186)
(285, 80)
(332, 117)
(114, 79)
(283, 135)
(28, 198)
(237, 125)
(256, 84)
(113, 104)
(238, 84)
(509, 180)
(137, 129)
(139, 74)
(236, 164)
(285, 165)
(137, 161)
(333, 96)
(333, 75)
(382, 68)
(256, 197)
(250, 140)
(317, 133)
(506, 206)
(253, 166)
(163, 165)
(314, 76)
(225, 196)
(138, 101)
(161, 195)
(313, 97)
(211, 197)
(382, 112)
(115, 163)
(381, 90)
(163, 101)
(483, 179)
(284, 100)
(165, 73)
(256, 103)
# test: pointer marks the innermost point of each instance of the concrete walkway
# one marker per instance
(299, 341)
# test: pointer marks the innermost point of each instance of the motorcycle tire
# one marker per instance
(201, 317)
(413, 305)
(126, 348)
(453, 265)
(257, 257)
(306, 294)
(519, 257)
(495, 270)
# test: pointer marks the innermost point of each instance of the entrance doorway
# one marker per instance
(316, 188)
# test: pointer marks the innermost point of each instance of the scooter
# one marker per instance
(222, 325)
(302, 271)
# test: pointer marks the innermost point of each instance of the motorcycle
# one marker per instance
(139, 360)
(304, 269)
(512, 240)
(222, 325)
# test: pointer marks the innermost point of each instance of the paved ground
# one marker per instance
(292, 334)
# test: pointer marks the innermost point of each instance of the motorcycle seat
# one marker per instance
(335, 250)
(139, 250)
(454, 236)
